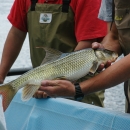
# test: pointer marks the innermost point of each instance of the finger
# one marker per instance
(44, 95)
(100, 68)
(38, 94)
(108, 64)
(35, 95)
(96, 45)
(45, 83)
(48, 83)
(48, 90)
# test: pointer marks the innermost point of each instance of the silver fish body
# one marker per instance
(72, 66)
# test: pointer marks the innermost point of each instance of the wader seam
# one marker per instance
(113, 13)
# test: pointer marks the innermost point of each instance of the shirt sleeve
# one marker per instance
(105, 12)
(87, 24)
(17, 15)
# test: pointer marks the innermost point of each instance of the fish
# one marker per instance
(56, 65)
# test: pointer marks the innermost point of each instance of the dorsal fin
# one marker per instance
(51, 55)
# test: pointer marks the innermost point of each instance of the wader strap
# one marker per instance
(65, 6)
(33, 3)
(113, 13)
(126, 94)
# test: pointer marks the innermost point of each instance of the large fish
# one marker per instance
(56, 65)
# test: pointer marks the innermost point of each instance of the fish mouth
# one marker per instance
(112, 53)
(112, 56)
(115, 56)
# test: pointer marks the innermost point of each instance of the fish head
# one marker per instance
(105, 55)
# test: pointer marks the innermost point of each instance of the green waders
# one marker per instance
(52, 25)
(122, 20)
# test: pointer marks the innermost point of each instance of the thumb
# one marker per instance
(96, 45)
(47, 83)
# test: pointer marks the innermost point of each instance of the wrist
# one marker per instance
(78, 92)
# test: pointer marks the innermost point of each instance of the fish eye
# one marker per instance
(108, 51)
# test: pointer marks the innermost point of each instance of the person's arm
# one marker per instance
(11, 50)
(113, 75)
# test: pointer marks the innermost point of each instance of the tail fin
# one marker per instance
(7, 93)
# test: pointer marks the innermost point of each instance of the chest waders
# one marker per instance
(122, 21)
(52, 25)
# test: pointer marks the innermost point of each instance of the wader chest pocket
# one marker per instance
(122, 18)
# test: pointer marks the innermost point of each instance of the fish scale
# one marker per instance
(58, 68)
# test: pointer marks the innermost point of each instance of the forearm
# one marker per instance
(11, 49)
(113, 75)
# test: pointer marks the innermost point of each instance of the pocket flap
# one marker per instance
(122, 18)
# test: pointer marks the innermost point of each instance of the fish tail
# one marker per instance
(7, 92)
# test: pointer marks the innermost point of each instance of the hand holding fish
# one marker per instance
(58, 88)
(40, 94)
(96, 45)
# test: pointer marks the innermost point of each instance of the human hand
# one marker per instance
(40, 94)
(96, 45)
(58, 88)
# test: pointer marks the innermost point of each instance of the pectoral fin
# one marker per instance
(29, 90)
(64, 78)
(92, 71)
(61, 78)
